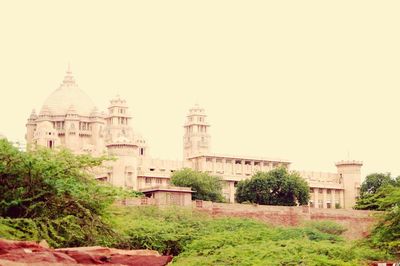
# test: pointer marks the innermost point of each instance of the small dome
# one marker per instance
(67, 95)
(196, 110)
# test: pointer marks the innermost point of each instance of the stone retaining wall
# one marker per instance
(357, 223)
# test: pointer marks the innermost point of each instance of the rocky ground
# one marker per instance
(21, 253)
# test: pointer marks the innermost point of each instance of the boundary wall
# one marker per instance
(358, 223)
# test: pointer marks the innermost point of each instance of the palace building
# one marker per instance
(69, 118)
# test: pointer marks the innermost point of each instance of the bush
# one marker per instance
(49, 194)
(197, 239)
(327, 227)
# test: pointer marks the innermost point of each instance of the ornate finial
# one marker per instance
(68, 78)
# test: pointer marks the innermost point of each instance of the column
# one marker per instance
(316, 191)
(214, 165)
(271, 166)
(231, 191)
(242, 167)
(203, 164)
(324, 198)
(333, 202)
(252, 168)
(262, 166)
(341, 199)
(224, 165)
(233, 167)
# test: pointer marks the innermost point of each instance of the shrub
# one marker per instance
(327, 227)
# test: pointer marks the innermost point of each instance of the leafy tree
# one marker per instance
(50, 194)
(206, 187)
(375, 181)
(372, 190)
(387, 233)
(276, 187)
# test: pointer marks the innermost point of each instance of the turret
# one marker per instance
(350, 175)
(196, 139)
(97, 126)
(120, 143)
(31, 127)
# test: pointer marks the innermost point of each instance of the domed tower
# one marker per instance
(119, 140)
(69, 112)
(196, 139)
(350, 175)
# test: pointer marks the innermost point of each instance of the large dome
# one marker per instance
(66, 96)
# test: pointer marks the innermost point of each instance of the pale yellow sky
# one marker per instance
(308, 81)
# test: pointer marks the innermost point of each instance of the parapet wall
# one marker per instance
(357, 223)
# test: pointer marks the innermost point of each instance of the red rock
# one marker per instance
(6, 246)
(24, 253)
(41, 256)
(141, 260)
(87, 258)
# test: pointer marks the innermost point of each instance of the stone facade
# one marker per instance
(69, 118)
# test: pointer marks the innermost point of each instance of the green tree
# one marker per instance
(206, 187)
(372, 190)
(387, 233)
(276, 187)
(52, 195)
(375, 181)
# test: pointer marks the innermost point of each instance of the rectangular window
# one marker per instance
(148, 180)
(320, 190)
(158, 180)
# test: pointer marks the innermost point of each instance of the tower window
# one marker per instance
(141, 151)
(50, 144)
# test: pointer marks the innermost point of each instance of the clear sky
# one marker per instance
(309, 81)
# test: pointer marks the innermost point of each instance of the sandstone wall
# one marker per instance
(357, 223)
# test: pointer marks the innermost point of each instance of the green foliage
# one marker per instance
(206, 187)
(375, 181)
(198, 239)
(276, 187)
(49, 194)
(327, 227)
(372, 191)
(386, 234)
(166, 231)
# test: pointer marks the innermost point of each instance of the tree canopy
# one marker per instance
(276, 187)
(373, 189)
(386, 233)
(206, 187)
(51, 193)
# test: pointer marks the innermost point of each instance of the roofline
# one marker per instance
(254, 158)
